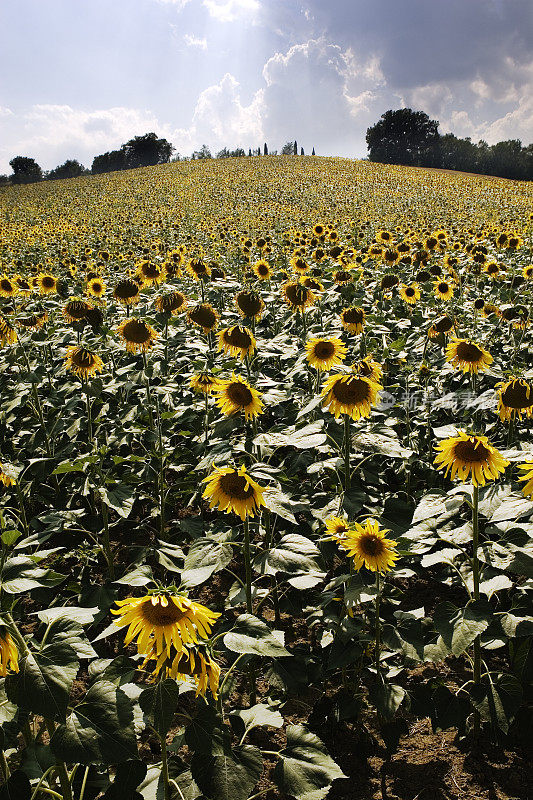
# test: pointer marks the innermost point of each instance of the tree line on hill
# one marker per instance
(403, 137)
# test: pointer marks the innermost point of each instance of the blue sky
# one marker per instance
(79, 77)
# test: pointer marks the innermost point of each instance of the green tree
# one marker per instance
(25, 170)
(287, 149)
(109, 162)
(203, 152)
(70, 169)
(404, 137)
(147, 150)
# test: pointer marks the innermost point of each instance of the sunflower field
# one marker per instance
(266, 479)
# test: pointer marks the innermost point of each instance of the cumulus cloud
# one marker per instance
(229, 10)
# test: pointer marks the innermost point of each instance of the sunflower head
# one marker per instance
(82, 362)
(336, 528)
(46, 283)
(353, 395)
(96, 287)
(8, 287)
(137, 335)
(527, 469)
(198, 269)
(9, 656)
(7, 474)
(262, 270)
(298, 296)
(126, 292)
(324, 354)
(515, 397)
(237, 341)
(369, 547)
(150, 273)
(249, 304)
(468, 356)
(75, 309)
(171, 303)
(204, 316)
(235, 395)
(470, 457)
(443, 290)
(353, 319)
(193, 663)
(410, 294)
(8, 334)
(231, 489)
(369, 368)
(441, 327)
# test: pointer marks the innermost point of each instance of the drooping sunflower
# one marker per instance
(369, 368)
(231, 489)
(46, 283)
(203, 383)
(443, 290)
(299, 265)
(83, 362)
(384, 236)
(193, 663)
(75, 309)
(515, 397)
(127, 292)
(324, 354)
(198, 269)
(353, 319)
(235, 395)
(171, 303)
(160, 621)
(137, 335)
(342, 277)
(8, 287)
(7, 475)
(96, 287)
(204, 316)
(468, 455)
(411, 294)
(350, 394)
(441, 327)
(237, 341)
(298, 296)
(468, 356)
(150, 273)
(312, 284)
(262, 270)
(23, 285)
(249, 304)
(8, 334)
(9, 656)
(369, 547)
(527, 467)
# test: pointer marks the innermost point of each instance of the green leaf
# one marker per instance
(516, 626)
(204, 734)
(8, 710)
(70, 632)
(459, 627)
(120, 498)
(205, 557)
(229, 776)
(17, 787)
(140, 576)
(99, 730)
(257, 716)
(278, 503)
(251, 635)
(159, 703)
(44, 680)
(294, 554)
(306, 770)
(309, 436)
(83, 616)
(128, 776)
(386, 698)
(498, 700)
(10, 537)
(152, 787)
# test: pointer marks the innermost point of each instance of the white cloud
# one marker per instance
(5, 112)
(229, 10)
(195, 41)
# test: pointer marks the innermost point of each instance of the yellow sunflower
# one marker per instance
(324, 354)
(527, 272)
(336, 528)
(7, 475)
(33, 321)
(237, 341)
(82, 362)
(298, 296)
(411, 294)
(262, 270)
(235, 395)
(441, 327)
(192, 663)
(198, 269)
(75, 309)
(369, 547)
(203, 383)
(204, 316)
(8, 334)
(9, 656)
(369, 368)
(46, 283)
(96, 287)
(468, 356)
(350, 394)
(527, 467)
(515, 397)
(137, 335)
(353, 319)
(231, 489)
(150, 273)
(171, 303)
(299, 265)
(469, 454)
(8, 287)
(160, 621)
(127, 292)
(249, 304)
(23, 285)
(443, 290)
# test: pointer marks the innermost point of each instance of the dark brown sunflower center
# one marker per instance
(48, 282)
(171, 302)
(159, 615)
(466, 351)
(204, 316)
(237, 337)
(184, 666)
(234, 486)
(83, 358)
(250, 304)
(371, 545)
(353, 316)
(198, 267)
(262, 269)
(77, 309)
(410, 292)
(136, 332)
(352, 391)
(365, 369)
(342, 276)
(468, 452)
(443, 325)
(518, 395)
(492, 269)
(22, 284)
(324, 350)
(239, 394)
(125, 290)
(443, 288)
(388, 281)
(150, 271)
(6, 285)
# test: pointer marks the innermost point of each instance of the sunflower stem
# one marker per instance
(166, 346)
(248, 566)
(62, 772)
(475, 569)
(206, 419)
(148, 393)
(85, 384)
(164, 767)
(23, 518)
(107, 543)
(347, 475)
(378, 627)
(161, 481)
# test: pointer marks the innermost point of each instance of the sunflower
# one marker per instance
(171, 303)
(350, 394)
(126, 292)
(468, 356)
(231, 489)
(204, 316)
(192, 663)
(137, 335)
(469, 453)
(492, 268)
(9, 656)
(336, 528)
(8, 334)
(369, 547)
(443, 290)
(325, 353)
(75, 309)
(369, 368)
(527, 467)
(203, 383)
(299, 265)
(298, 296)
(150, 273)
(237, 341)
(46, 283)
(515, 397)
(262, 270)
(442, 326)
(7, 475)
(249, 304)
(342, 277)
(96, 287)
(527, 272)
(411, 294)
(160, 621)
(23, 285)
(313, 284)
(82, 362)
(353, 319)
(236, 395)
(384, 236)
(198, 269)
(8, 287)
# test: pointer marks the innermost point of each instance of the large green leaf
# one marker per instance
(294, 554)
(386, 697)
(159, 703)
(305, 769)
(459, 627)
(98, 730)
(230, 776)
(17, 787)
(128, 776)
(251, 635)
(497, 700)
(205, 557)
(44, 680)
(257, 716)
(120, 498)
